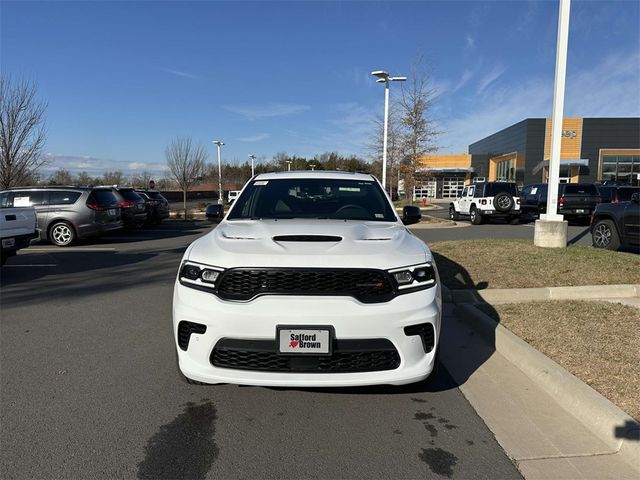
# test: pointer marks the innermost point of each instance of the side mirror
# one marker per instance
(411, 214)
(635, 197)
(214, 212)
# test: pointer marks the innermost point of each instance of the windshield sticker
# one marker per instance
(534, 190)
(260, 182)
(379, 215)
(21, 202)
(348, 189)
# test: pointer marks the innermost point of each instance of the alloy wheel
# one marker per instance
(602, 236)
(61, 234)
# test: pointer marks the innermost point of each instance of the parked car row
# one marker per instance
(613, 210)
(67, 214)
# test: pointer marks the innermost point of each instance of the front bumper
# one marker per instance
(257, 320)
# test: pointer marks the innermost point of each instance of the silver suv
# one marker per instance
(66, 214)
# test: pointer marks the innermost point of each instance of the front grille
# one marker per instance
(371, 355)
(185, 329)
(366, 285)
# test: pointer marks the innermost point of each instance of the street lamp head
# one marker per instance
(218, 142)
(381, 74)
(252, 156)
(398, 79)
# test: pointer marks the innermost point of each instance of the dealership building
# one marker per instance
(593, 149)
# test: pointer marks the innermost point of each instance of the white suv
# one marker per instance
(311, 280)
(483, 200)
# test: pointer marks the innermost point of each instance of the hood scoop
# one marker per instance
(306, 238)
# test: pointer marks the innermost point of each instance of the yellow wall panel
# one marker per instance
(447, 160)
(571, 138)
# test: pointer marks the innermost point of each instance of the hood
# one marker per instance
(309, 243)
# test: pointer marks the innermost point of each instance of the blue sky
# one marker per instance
(122, 78)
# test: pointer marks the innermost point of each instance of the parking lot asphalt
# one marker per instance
(90, 387)
(577, 233)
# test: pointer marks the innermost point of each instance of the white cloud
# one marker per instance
(274, 109)
(348, 132)
(180, 73)
(608, 88)
(464, 79)
(95, 166)
(254, 138)
(491, 76)
(470, 42)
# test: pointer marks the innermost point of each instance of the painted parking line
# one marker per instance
(32, 265)
(67, 249)
(127, 239)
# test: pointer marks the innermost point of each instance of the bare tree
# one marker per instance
(113, 178)
(394, 142)
(61, 177)
(186, 164)
(419, 132)
(142, 179)
(22, 131)
(84, 179)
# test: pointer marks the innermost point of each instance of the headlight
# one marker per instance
(414, 277)
(199, 276)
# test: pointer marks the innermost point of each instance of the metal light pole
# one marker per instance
(383, 77)
(252, 157)
(550, 229)
(219, 143)
(288, 162)
(313, 167)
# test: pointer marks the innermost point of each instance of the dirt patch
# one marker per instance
(519, 264)
(596, 341)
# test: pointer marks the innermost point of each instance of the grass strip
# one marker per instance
(519, 264)
(596, 341)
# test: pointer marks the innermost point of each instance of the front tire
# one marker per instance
(475, 216)
(453, 215)
(605, 235)
(62, 234)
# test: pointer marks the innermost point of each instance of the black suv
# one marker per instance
(134, 209)
(575, 200)
(614, 224)
(616, 193)
(156, 205)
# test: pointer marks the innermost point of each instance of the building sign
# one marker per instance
(571, 145)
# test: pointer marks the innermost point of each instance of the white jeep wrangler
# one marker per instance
(485, 200)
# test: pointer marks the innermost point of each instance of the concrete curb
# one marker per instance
(608, 422)
(496, 296)
(442, 224)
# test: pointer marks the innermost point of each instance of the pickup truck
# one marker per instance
(17, 229)
(575, 200)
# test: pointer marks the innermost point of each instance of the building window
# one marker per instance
(621, 168)
(506, 170)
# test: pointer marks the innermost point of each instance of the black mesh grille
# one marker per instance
(185, 329)
(426, 332)
(368, 286)
(348, 356)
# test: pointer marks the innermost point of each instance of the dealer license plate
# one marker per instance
(112, 212)
(304, 341)
(8, 242)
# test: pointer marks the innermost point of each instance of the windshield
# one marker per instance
(580, 189)
(313, 198)
(493, 189)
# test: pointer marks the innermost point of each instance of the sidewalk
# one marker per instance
(550, 423)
